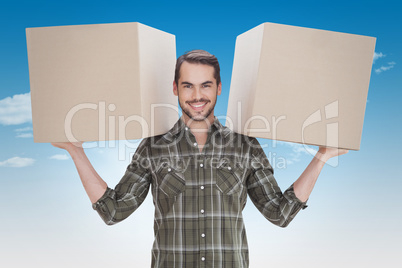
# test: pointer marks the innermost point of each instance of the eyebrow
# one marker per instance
(207, 82)
(204, 83)
(186, 83)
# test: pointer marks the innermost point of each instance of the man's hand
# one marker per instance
(325, 153)
(67, 145)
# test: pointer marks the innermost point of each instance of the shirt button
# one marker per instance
(195, 144)
(229, 168)
(202, 211)
(186, 128)
(202, 235)
(202, 187)
(203, 258)
(201, 165)
(169, 169)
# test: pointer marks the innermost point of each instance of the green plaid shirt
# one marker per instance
(199, 196)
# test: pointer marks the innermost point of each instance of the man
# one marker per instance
(200, 174)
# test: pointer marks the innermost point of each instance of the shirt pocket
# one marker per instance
(171, 181)
(229, 178)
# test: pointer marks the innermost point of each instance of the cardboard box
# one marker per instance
(300, 85)
(101, 82)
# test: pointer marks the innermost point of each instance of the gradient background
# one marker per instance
(354, 216)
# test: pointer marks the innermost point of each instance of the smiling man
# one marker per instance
(200, 174)
(197, 85)
(197, 98)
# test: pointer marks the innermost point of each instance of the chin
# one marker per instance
(197, 117)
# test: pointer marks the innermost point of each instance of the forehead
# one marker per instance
(196, 73)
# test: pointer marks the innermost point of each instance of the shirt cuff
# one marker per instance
(98, 204)
(290, 191)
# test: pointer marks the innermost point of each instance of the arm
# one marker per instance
(278, 207)
(92, 182)
(281, 208)
(113, 205)
(304, 185)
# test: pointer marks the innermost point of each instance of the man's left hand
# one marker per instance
(325, 153)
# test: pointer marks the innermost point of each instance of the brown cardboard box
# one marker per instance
(101, 82)
(300, 85)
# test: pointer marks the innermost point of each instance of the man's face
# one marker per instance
(197, 91)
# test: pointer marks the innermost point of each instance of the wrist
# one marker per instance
(322, 156)
(74, 149)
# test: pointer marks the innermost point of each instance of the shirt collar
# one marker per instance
(180, 126)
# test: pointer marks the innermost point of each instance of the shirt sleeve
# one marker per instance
(116, 205)
(279, 208)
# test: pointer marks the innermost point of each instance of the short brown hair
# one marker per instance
(200, 57)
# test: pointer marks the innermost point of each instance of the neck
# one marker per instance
(199, 126)
(199, 129)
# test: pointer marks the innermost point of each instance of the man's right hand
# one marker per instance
(67, 145)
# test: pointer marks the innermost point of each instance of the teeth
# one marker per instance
(196, 106)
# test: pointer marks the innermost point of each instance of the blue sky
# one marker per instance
(354, 214)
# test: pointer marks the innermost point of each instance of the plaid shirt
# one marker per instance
(199, 196)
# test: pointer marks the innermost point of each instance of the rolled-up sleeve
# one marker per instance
(279, 208)
(117, 204)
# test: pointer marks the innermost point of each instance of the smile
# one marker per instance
(198, 105)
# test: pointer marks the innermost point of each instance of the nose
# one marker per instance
(197, 93)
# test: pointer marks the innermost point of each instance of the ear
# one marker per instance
(175, 89)
(219, 89)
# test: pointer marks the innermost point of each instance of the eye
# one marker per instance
(187, 86)
(207, 85)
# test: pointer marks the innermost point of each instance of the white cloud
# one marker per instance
(60, 157)
(377, 56)
(23, 129)
(25, 132)
(385, 68)
(297, 151)
(25, 135)
(16, 109)
(17, 162)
